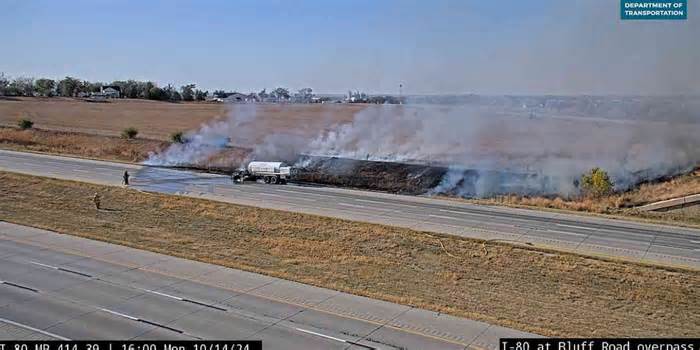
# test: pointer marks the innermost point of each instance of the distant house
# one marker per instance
(356, 97)
(111, 91)
(238, 97)
(214, 99)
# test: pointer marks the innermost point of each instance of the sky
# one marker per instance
(430, 47)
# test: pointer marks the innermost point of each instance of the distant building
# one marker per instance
(238, 97)
(214, 99)
(356, 97)
(111, 92)
(108, 92)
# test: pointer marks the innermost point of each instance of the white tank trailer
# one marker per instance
(270, 172)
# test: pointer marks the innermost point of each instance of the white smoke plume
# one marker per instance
(491, 144)
(210, 139)
(500, 145)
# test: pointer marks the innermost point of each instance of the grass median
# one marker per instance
(554, 294)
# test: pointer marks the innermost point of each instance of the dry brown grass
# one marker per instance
(553, 294)
(619, 203)
(158, 120)
(78, 144)
(653, 192)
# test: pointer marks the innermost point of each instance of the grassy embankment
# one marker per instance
(550, 293)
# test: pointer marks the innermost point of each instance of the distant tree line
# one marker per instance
(74, 87)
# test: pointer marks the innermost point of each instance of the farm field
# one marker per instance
(158, 120)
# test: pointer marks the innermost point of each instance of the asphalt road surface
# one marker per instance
(584, 234)
(56, 286)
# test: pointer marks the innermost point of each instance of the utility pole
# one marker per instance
(400, 93)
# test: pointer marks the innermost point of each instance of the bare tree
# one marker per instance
(4, 83)
(68, 87)
(22, 86)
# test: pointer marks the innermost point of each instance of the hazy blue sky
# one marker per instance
(463, 46)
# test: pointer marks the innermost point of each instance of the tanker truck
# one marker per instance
(270, 172)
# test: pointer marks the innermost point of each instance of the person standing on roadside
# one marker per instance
(126, 178)
(96, 200)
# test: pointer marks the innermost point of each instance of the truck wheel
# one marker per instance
(267, 179)
(273, 180)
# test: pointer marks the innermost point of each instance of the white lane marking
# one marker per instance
(33, 329)
(106, 169)
(60, 269)
(119, 314)
(288, 191)
(352, 205)
(321, 335)
(499, 224)
(581, 227)
(694, 241)
(385, 203)
(44, 265)
(567, 232)
(460, 219)
(162, 294)
(288, 197)
(464, 213)
(320, 195)
(270, 194)
(369, 201)
(82, 171)
(453, 211)
(443, 217)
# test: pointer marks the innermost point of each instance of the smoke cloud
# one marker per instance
(209, 140)
(528, 145)
(490, 144)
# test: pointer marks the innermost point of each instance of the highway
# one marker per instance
(629, 240)
(57, 286)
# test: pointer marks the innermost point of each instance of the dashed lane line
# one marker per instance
(53, 335)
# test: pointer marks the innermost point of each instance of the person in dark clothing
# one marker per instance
(96, 200)
(126, 178)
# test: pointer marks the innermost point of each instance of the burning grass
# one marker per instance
(554, 294)
(623, 203)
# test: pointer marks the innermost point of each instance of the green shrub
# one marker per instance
(596, 183)
(178, 137)
(25, 124)
(130, 133)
